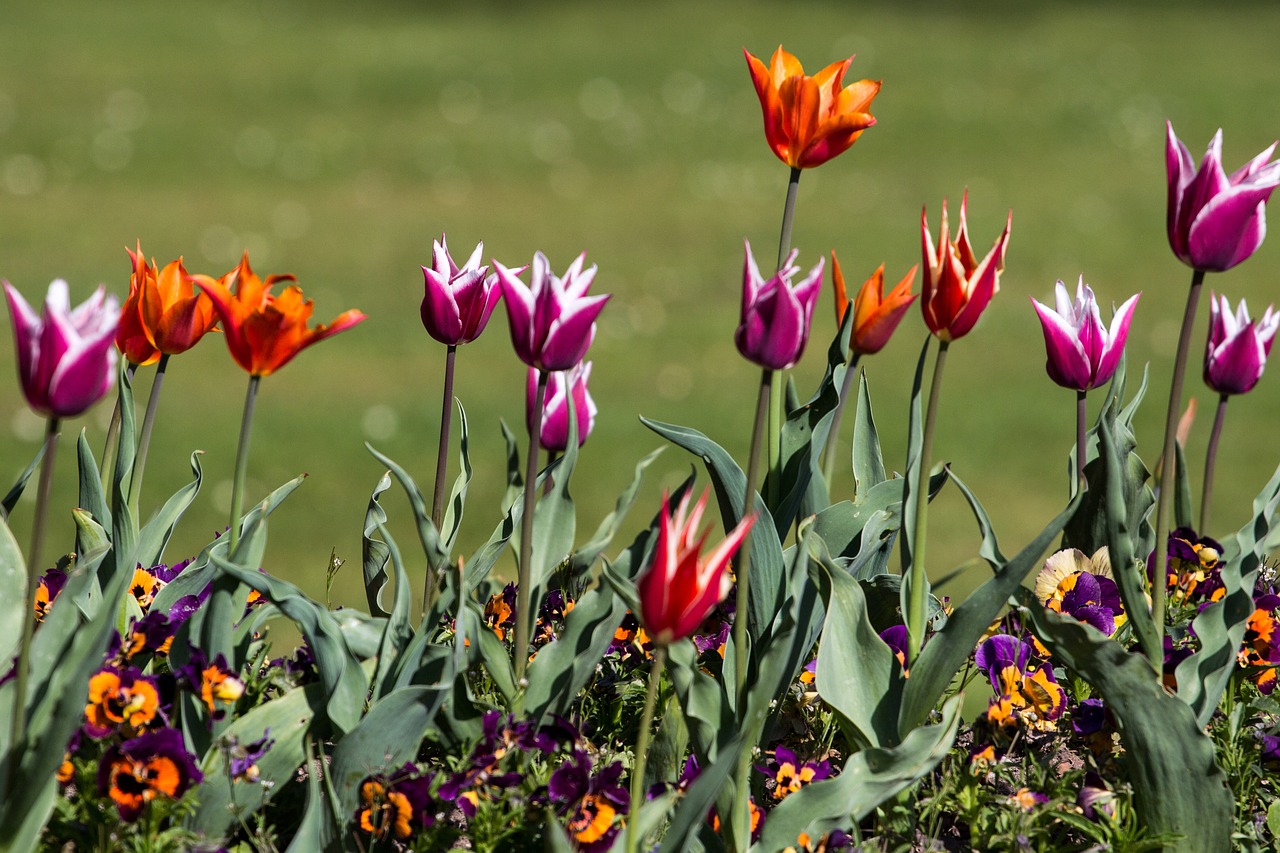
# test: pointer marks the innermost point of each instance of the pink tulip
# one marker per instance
(555, 410)
(680, 587)
(775, 314)
(1215, 221)
(1082, 352)
(553, 321)
(1238, 347)
(66, 358)
(457, 302)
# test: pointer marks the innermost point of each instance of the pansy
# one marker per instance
(895, 637)
(499, 611)
(1082, 587)
(154, 633)
(1026, 799)
(243, 758)
(789, 774)
(1025, 693)
(51, 583)
(137, 771)
(212, 681)
(1260, 649)
(121, 699)
(592, 804)
(395, 808)
(1192, 567)
(144, 587)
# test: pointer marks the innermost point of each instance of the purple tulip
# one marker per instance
(553, 321)
(555, 410)
(1237, 348)
(457, 301)
(1215, 221)
(775, 315)
(1082, 352)
(67, 357)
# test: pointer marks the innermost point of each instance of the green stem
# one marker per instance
(778, 414)
(144, 440)
(110, 448)
(917, 609)
(19, 722)
(524, 587)
(742, 604)
(430, 587)
(642, 748)
(1165, 498)
(1210, 458)
(1081, 432)
(242, 465)
(833, 438)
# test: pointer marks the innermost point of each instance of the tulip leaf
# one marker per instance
(397, 632)
(868, 462)
(14, 595)
(703, 698)
(989, 550)
(554, 518)
(1182, 516)
(1178, 787)
(10, 500)
(690, 816)
(375, 552)
(946, 651)
(153, 538)
(344, 681)
(91, 496)
(910, 484)
(318, 831)
(432, 546)
(123, 524)
(869, 777)
(452, 521)
(767, 574)
(1220, 627)
(584, 557)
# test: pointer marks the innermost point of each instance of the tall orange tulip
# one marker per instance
(265, 331)
(131, 335)
(809, 120)
(875, 316)
(957, 286)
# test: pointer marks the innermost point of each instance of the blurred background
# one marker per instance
(336, 140)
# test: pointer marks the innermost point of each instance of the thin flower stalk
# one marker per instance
(442, 469)
(524, 588)
(656, 667)
(144, 437)
(1210, 459)
(1081, 433)
(242, 463)
(917, 612)
(777, 412)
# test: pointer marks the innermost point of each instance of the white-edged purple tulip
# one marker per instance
(774, 327)
(1082, 352)
(553, 321)
(1216, 221)
(1237, 349)
(457, 301)
(555, 409)
(67, 356)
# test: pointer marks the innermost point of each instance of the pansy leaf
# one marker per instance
(11, 498)
(1177, 784)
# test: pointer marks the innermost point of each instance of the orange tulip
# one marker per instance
(957, 286)
(875, 317)
(131, 335)
(264, 331)
(809, 120)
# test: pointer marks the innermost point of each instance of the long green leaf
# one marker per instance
(868, 461)
(155, 535)
(375, 552)
(585, 556)
(397, 632)
(10, 500)
(910, 484)
(433, 548)
(453, 511)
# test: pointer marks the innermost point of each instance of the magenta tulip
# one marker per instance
(553, 321)
(1238, 347)
(457, 302)
(66, 358)
(555, 411)
(775, 314)
(1082, 352)
(1216, 221)
(680, 586)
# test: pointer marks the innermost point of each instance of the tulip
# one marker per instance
(809, 120)
(552, 320)
(875, 316)
(174, 314)
(554, 435)
(265, 331)
(131, 337)
(1082, 352)
(957, 287)
(457, 301)
(680, 587)
(1215, 221)
(1237, 349)
(776, 314)
(65, 358)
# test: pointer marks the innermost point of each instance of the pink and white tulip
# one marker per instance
(553, 320)
(776, 315)
(1216, 221)
(1082, 352)
(457, 301)
(1237, 349)
(555, 410)
(66, 357)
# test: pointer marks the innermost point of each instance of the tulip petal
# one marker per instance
(1116, 338)
(1067, 363)
(1228, 229)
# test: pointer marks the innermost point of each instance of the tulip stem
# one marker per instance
(917, 605)
(23, 666)
(442, 469)
(242, 464)
(1158, 588)
(1081, 433)
(778, 412)
(524, 591)
(144, 440)
(1210, 458)
(742, 605)
(642, 747)
(110, 448)
(833, 437)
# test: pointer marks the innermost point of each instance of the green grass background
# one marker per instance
(335, 140)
